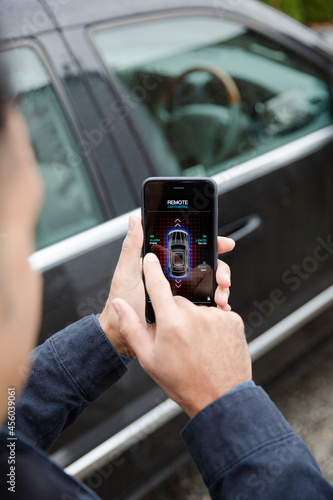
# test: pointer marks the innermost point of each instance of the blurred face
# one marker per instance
(20, 288)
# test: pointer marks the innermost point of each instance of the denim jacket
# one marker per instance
(242, 445)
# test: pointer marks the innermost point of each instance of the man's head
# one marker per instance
(20, 288)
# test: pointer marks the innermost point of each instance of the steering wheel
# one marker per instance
(209, 121)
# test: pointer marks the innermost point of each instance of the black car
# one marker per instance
(115, 92)
(178, 253)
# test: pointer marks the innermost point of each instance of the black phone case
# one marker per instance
(215, 222)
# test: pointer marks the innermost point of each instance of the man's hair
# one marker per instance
(4, 94)
(4, 88)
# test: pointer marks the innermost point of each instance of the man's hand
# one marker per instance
(195, 353)
(127, 284)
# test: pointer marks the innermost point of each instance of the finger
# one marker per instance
(227, 308)
(131, 328)
(223, 274)
(182, 301)
(222, 296)
(129, 260)
(224, 244)
(158, 287)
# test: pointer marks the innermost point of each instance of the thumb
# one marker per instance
(129, 259)
(131, 328)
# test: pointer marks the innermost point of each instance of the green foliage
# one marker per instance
(317, 11)
(305, 11)
(294, 8)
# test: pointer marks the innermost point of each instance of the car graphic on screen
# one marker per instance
(178, 253)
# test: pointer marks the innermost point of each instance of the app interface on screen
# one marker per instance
(179, 229)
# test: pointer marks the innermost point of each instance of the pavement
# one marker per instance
(306, 401)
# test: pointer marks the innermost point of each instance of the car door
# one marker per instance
(212, 97)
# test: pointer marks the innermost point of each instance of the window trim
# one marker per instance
(226, 13)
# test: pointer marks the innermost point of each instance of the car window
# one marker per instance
(70, 204)
(208, 94)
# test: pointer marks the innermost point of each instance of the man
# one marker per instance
(241, 443)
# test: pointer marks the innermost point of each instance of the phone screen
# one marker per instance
(180, 227)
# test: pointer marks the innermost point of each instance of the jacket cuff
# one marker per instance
(88, 357)
(231, 428)
(125, 359)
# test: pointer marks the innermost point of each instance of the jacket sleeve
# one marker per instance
(69, 371)
(246, 450)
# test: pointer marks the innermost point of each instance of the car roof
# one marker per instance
(67, 13)
(21, 18)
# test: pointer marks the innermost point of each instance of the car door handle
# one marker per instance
(246, 228)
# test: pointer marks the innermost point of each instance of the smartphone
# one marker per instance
(179, 218)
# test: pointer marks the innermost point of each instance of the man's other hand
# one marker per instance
(195, 353)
